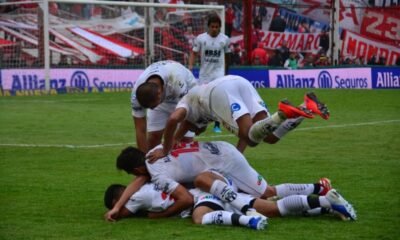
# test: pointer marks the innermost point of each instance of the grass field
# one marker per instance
(57, 156)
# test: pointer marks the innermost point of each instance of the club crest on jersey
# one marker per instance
(235, 107)
(212, 148)
(161, 187)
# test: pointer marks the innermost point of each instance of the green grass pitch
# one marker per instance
(57, 156)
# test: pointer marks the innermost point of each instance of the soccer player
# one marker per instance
(233, 101)
(192, 162)
(214, 51)
(167, 82)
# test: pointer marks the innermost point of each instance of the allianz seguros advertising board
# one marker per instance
(355, 78)
(17, 80)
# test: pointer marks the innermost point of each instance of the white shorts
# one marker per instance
(157, 118)
(232, 99)
(236, 168)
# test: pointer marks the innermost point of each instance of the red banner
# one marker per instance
(381, 25)
(296, 42)
(356, 45)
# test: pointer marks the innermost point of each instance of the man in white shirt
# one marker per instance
(167, 82)
(214, 51)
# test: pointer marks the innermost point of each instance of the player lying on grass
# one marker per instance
(233, 101)
(190, 160)
(208, 209)
(168, 82)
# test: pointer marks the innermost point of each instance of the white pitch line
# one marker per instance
(200, 137)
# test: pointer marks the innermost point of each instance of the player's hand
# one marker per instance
(110, 215)
(153, 156)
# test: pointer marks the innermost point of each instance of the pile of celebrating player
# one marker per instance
(211, 181)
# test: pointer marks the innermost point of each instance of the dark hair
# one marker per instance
(214, 18)
(129, 159)
(113, 193)
(147, 93)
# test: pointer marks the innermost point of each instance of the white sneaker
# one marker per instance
(341, 206)
(258, 221)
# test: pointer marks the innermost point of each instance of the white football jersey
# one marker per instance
(149, 199)
(187, 160)
(212, 55)
(177, 82)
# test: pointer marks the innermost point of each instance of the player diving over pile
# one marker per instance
(233, 101)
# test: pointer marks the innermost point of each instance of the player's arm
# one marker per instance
(183, 201)
(133, 187)
(141, 133)
(241, 145)
(227, 62)
(192, 59)
(176, 117)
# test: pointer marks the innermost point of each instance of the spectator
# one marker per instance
(257, 22)
(284, 51)
(382, 61)
(309, 61)
(237, 54)
(229, 18)
(259, 55)
(278, 24)
(372, 60)
(293, 61)
(276, 60)
(303, 27)
(323, 60)
(324, 41)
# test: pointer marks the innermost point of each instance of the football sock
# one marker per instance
(313, 212)
(286, 126)
(260, 129)
(287, 189)
(293, 205)
(225, 218)
(324, 202)
(227, 194)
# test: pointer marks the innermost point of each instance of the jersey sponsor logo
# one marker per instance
(235, 107)
(79, 79)
(161, 187)
(212, 53)
(213, 148)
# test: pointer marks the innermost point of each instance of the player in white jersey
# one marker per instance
(193, 162)
(233, 101)
(158, 89)
(213, 48)
(214, 51)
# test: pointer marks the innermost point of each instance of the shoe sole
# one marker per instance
(316, 106)
(291, 111)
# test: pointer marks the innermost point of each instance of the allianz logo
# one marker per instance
(323, 80)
